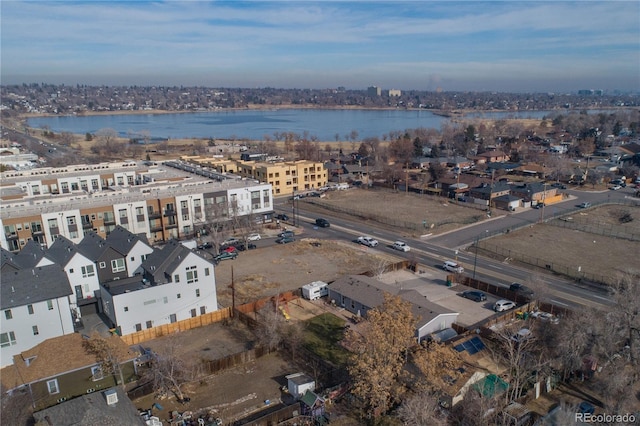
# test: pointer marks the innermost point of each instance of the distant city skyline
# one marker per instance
(504, 46)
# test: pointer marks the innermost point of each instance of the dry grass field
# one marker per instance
(418, 214)
(591, 247)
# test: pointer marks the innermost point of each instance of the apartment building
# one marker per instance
(285, 177)
(162, 201)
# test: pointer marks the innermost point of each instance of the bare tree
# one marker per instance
(170, 371)
(421, 409)
(379, 352)
(271, 325)
(106, 355)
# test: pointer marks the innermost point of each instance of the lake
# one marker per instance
(255, 124)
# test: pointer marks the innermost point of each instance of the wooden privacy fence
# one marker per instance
(216, 365)
(166, 329)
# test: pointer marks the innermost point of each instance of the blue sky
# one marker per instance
(508, 46)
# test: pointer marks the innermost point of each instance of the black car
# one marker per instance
(205, 246)
(521, 289)
(282, 217)
(322, 223)
(476, 296)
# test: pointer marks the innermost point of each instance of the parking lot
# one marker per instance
(433, 285)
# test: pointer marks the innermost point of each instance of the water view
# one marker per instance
(254, 125)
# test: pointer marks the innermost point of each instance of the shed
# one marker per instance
(299, 383)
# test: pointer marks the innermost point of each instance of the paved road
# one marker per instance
(432, 251)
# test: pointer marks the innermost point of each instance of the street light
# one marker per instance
(475, 260)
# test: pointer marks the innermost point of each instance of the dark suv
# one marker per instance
(521, 289)
(322, 223)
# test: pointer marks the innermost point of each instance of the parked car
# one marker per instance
(616, 188)
(229, 249)
(322, 223)
(205, 246)
(400, 246)
(285, 240)
(286, 234)
(584, 205)
(559, 185)
(538, 206)
(367, 241)
(226, 255)
(503, 305)
(253, 237)
(452, 266)
(282, 217)
(586, 408)
(521, 289)
(230, 241)
(545, 316)
(475, 295)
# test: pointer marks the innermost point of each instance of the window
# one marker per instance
(52, 385)
(138, 327)
(176, 278)
(117, 265)
(192, 277)
(96, 373)
(50, 305)
(193, 313)
(139, 211)
(126, 309)
(71, 220)
(206, 272)
(71, 271)
(52, 223)
(88, 271)
(173, 318)
(133, 258)
(165, 299)
(122, 212)
(149, 324)
(30, 309)
(103, 265)
(7, 339)
(179, 295)
(35, 330)
(8, 314)
(203, 310)
(197, 292)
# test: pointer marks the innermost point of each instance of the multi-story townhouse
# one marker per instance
(35, 307)
(110, 262)
(161, 201)
(177, 284)
(135, 248)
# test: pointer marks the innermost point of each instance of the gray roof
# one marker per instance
(92, 409)
(162, 263)
(370, 292)
(123, 240)
(33, 285)
(7, 259)
(93, 246)
(62, 250)
(30, 255)
(496, 187)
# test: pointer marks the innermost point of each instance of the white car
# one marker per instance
(253, 237)
(503, 305)
(367, 241)
(400, 246)
(452, 266)
(616, 188)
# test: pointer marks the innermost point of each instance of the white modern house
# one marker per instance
(35, 307)
(176, 284)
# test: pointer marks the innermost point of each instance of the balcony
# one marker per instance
(170, 213)
(86, 224)
(109, 220)
(12, 236)
(171, 226)
(154, 215)
(155, 228)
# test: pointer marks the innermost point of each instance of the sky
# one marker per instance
(504, 46)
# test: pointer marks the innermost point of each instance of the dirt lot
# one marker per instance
(566, 248)
(419, 214)
(268, 271)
